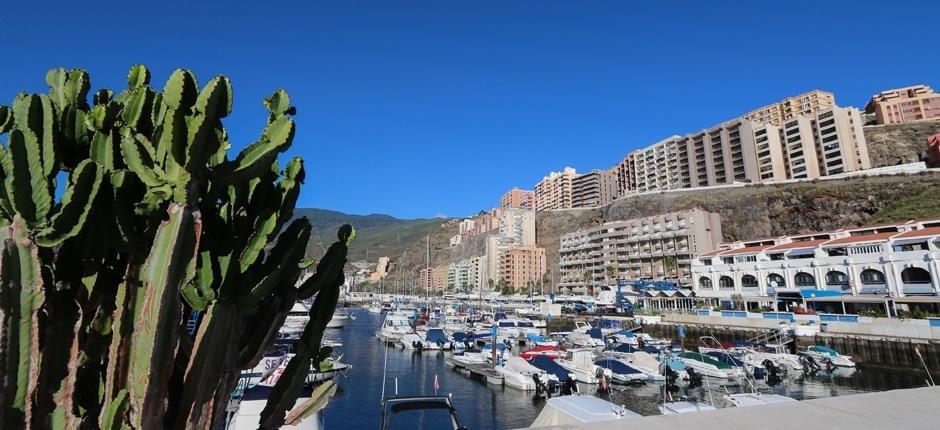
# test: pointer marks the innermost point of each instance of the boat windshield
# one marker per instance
(526, 324)
(507, 324)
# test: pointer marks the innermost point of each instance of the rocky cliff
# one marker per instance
(889, 145)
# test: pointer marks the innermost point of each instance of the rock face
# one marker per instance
(889, 145)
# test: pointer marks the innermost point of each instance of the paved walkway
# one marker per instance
(910, 409)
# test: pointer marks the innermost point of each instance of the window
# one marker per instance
(705, 283)
(776, 281)
(837, 252)
(725, 282)
(836, 277)
(919, 246)
(776, 257)
(872, 276)
(748, 281)
(915, 275)
(803, 279)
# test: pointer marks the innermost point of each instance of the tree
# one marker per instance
(669, 265)
(156, 223)
(588, 278)
(611, 273)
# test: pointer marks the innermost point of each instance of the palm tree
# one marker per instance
(586, 276)
(611, 273)
(669, 264)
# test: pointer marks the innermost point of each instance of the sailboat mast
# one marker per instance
(427, 268)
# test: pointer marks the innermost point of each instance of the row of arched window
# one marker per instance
(834, 278)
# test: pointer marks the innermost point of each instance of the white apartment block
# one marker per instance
(655, 248)
(864, 265)
(516, 229)
(466, 273)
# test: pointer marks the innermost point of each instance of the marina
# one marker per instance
(482, 398)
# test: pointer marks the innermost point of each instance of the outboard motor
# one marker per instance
(568, 387)
(417, 345)
(538, 386)
(695, 379)
(809, 364)
(773, 373)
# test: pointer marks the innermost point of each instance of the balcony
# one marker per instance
(918, 288)
(874, 288)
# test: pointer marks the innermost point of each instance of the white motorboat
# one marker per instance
(519, 374)
(619, 370)
(822, 354)
(788, 362)
(515, 329)
(432, 339)
(466, 359)
(755, 399)
(541, 341)
(579, 362)
(644, 362)
(297, 316)
(394, 328)
(708, 366)
(573, 411)
(339, 320)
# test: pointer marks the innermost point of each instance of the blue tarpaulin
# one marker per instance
(436, 335)
(809, 292)
(595, 333)
(616, 366)
(549, 366)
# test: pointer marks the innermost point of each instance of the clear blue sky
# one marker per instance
(422, 108)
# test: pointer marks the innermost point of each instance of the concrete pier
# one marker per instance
(910, 409)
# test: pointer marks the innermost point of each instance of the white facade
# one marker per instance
(466, 273)
(896, 260)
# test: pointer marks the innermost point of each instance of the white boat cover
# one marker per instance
(573, 410)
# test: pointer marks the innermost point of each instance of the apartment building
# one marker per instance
(433, 279)
(862, 265)
(466, 274)
(597, 188)
(900, 105)
(828, 142)
(554, 191)
(516, 228)
(658, 247)
(789, 108)
(518, 199)
(626, 176)
(522, 266)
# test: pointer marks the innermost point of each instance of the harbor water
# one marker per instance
(357, 403)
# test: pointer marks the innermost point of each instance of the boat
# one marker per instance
(339, 319)
(579, 362)
(708, 366)
(552, 352)
(394, 328)
(755, 399)
(823, 353)
(403, 412)
(576, 410)
(549, 366)
(519, 374)
(515, 329)
(735, 361)
(619, 370)
(297, 316)
(540, 341)
(643, 362)
(592, 338)
(432, 339)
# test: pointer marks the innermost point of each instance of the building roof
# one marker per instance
(713, 253)
(877, 237)
(798, 245)
(746, 250)
(928, 231)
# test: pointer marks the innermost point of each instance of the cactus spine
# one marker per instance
(154, 219)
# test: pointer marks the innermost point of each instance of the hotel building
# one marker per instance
(862, 265)
(658, 247)
(907, 104)
(554, 191)
(518, 199)
(597, 188)
(522, 266)
(789, 108)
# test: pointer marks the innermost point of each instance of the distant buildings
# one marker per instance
(789, 108)
(522, 266)
(433, 279)
(381, 270)
(518, 199)
(516, 229)
(863, 265)
(907, 104)
(597, 188)
(807, 146)
(554, 191)
(466, 274)
(658, 247)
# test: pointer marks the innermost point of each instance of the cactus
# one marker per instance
(154, 220)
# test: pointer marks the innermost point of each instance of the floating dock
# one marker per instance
(910, 409)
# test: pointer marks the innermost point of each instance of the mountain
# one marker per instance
(376, 234)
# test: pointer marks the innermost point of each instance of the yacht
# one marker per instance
(515, 329)
(339, 320)
(297, 316)
(434, 412)
(394, 328)
(822, 354)
(519, 374)
(708, 366)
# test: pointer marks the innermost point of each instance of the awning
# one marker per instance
(810, 293)
(712, 294)
(917, 299)
(849, 299)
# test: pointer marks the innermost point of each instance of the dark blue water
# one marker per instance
(357, 404)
